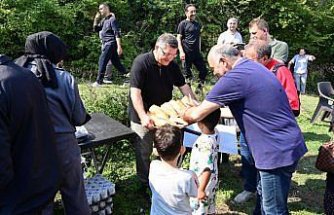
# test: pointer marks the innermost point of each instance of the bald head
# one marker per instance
(222, 57)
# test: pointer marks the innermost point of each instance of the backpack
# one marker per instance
(274, 70)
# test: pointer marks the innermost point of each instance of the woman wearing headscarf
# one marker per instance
(42, 51)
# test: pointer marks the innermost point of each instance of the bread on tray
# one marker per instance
(171, 112)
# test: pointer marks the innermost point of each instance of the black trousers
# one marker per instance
(195, 58)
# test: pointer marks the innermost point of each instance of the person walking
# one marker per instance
(110, 35)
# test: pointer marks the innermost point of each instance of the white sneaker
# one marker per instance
(243, 197)
(107, 81)
(95, 84)
(127, 75)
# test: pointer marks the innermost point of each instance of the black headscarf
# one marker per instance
(44, 48)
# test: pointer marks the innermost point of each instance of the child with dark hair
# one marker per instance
(203, 162)
(171, 187)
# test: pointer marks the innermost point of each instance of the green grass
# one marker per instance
(307, 188)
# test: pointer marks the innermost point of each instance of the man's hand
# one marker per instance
(97, 16)
(119, 50)
(182, 56)
(147, 122)
(201, 196)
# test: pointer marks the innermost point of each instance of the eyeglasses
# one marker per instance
(167, 54)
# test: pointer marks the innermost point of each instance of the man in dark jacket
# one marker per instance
(29, 172)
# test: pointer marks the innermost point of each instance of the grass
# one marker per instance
(306, 194)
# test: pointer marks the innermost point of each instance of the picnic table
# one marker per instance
(105, 132)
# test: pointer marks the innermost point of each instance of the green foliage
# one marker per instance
(301, 23)
(109, 99)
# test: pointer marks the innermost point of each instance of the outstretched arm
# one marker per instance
(195, 114)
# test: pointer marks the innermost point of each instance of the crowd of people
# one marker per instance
(40, 154)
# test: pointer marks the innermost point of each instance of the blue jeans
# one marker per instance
(248, 169)
(300, 80)
(273, 189)
(109, 52)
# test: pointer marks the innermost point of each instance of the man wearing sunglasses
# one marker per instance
(259, 30)
(153, 76)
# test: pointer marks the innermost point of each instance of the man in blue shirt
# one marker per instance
(300, 62)
(261, 108)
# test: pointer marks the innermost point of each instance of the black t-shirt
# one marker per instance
(156, 82)
(190, 31)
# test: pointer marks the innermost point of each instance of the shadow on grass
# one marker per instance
(308, 197)
(230, 185)
(306, 165)
(129, 199)
(312, 136)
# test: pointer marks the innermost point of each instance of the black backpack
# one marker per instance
(274, 70)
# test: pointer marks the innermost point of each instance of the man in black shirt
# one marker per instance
(153, 76)
(29, 168)
(188, 36)
(110, 35)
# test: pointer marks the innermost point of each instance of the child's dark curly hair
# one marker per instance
(167, 141)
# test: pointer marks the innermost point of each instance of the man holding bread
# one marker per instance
(153, 76)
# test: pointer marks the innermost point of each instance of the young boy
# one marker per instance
(171, 187)
(203, 162)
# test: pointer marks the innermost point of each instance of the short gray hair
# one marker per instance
(225, 50)
(167, 39)
(262, 48)
(233, 19)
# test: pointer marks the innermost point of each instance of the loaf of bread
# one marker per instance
(168, 108)
(177, 121)
(188, 101)
(170, 112)
(158, 111)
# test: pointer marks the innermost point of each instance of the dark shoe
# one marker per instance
(199, 89)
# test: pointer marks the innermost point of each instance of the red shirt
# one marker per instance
(285, 77)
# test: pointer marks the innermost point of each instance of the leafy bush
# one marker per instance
(111, 100)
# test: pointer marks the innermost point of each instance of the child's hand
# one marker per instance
(201, 195)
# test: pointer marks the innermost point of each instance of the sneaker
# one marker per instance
(243, 197)
(107, 81)
(127, 75)
(96, 84)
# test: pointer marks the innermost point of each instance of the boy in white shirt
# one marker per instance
(203, 162)
(231, 35)
(171, 187)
